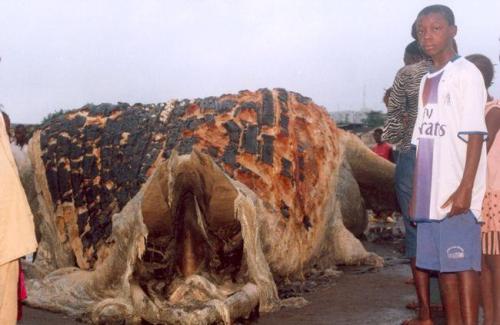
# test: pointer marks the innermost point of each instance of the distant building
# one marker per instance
(348, 117)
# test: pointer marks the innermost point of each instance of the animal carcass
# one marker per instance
(185, 212)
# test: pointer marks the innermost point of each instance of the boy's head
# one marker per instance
(484, 65)
(435, 26)
(415, 37)
(377, 135)
(413, 53)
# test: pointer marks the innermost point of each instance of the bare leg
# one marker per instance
(493, 265)
(486, 291)
(469, 296)
(422, 287)
(449, 295)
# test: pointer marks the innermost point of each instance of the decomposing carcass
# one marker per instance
(187, 212)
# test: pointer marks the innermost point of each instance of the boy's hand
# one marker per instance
(460, 201)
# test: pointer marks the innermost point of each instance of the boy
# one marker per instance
(450, 168)
(382, 148)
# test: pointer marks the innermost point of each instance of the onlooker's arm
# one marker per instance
(493, 125)
(393, 126)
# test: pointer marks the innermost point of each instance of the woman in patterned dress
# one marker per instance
(490, 275)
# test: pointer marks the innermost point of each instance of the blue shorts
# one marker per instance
(404, 187)
(451, 245)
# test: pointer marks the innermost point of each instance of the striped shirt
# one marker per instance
(402, 106)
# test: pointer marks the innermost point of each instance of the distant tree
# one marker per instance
(374, 119)
(51, 116)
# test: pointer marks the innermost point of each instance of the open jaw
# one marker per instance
(184, 250)
(202, 241)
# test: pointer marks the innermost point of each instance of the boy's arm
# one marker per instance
(460, 200)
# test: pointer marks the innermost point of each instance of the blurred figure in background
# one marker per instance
(382, 148)
(19, 146)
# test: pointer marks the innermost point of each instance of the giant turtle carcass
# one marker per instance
(187, 212)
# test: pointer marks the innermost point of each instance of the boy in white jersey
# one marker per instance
(450, 170)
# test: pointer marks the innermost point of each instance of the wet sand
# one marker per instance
(33, 316)
(359, 296)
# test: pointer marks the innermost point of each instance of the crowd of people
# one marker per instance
(445, 126)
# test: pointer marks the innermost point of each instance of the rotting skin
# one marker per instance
(229, 188)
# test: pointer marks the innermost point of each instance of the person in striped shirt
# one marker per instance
(402, 107)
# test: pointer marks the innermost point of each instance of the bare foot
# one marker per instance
(410, 281)
(417, 321)
(413, 305)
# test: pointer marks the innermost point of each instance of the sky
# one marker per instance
(63, 54)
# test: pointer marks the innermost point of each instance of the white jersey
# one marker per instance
(452, 109)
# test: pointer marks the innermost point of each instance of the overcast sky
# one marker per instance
(62, 54)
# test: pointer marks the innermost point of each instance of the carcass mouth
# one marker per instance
(194, 250)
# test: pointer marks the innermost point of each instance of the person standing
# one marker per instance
(17, 231)
(382, 148)
(490, 230)
(450, 168)
(402, 108)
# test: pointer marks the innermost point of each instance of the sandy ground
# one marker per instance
(40, 317)
(359, 296)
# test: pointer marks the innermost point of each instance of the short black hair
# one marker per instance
(414, 30)
(484, 65)
(413, 49)
(445, 11)
(378, 130)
